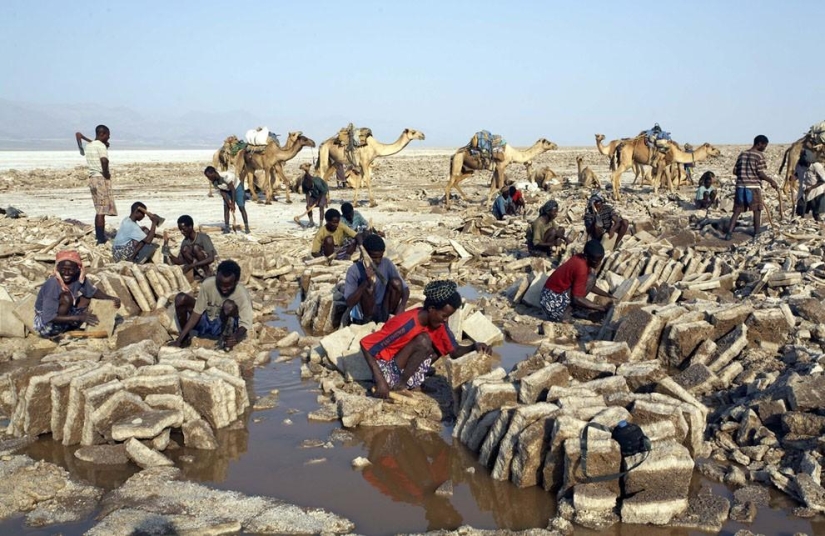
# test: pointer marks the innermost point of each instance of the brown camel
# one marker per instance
(587, 179)
(332, 156)
(463, 164)
(675, 157)
(271, 161)
(223, 156)
(542, 177)
(609, 150)
(633, 151)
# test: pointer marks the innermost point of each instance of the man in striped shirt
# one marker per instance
(750, 170)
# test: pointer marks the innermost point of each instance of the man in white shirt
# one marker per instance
(232, 192)
(97, 162)
(133, 242)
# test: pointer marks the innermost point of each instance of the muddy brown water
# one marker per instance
(279, 453)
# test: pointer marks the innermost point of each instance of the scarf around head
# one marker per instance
(72, 256)
(591, 203)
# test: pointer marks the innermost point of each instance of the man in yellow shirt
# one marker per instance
(334, 238)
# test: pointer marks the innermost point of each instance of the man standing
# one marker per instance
(223, 309)
(232, 192)
(196, 251)
(317, 191)
(97, 162)
(750, 170)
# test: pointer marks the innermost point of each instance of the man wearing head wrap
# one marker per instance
(545, 234)
(572, 282)
(401, 352)
(63, 300)
(374, 289)
(600, 219)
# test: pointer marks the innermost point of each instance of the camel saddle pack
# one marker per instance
(350, 136)
(816, 134)
(487, 146)
(256, 140)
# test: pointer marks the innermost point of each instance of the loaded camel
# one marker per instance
(628, 153)
(223, 156)
(271, 161)
(540, 178)
(463, 164)
(587, 179)
(332, 155)
(609, 150)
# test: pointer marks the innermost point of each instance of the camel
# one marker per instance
(627, 153)
(463, 164)
(540, 178)
(675, 155)
(609, 150)
(223, 156)
(332, 155)
(587, 179)
(271, 161)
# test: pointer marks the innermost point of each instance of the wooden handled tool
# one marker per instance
(297, 219)
(159, 219)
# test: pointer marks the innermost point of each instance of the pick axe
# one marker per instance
(297, 219)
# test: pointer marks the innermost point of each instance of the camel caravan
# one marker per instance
(349, 156)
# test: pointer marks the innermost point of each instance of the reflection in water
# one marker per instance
(409, 466)
(409, 469)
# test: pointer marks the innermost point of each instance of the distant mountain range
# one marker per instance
(28, 126)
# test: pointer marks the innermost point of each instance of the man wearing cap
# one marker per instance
(63, 300)
(572, 282)
(374, 290)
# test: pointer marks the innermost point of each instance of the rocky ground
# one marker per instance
(715, 348)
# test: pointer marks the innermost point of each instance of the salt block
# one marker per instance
(105, 311)
(479, 328)
(10, 325)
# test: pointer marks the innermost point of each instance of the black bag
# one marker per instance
(631, 440)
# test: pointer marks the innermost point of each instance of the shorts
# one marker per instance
(124, 252)
(211, 329)
(748, 198)
(554, 305)
(102, 196)
(319, 202)
(51, 329)
(391, 373)
(240, 198)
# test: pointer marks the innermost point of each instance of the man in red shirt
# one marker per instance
(401, 352)
(572, 282)
(517, 200)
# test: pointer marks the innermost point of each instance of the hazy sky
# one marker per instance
(706, 71)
